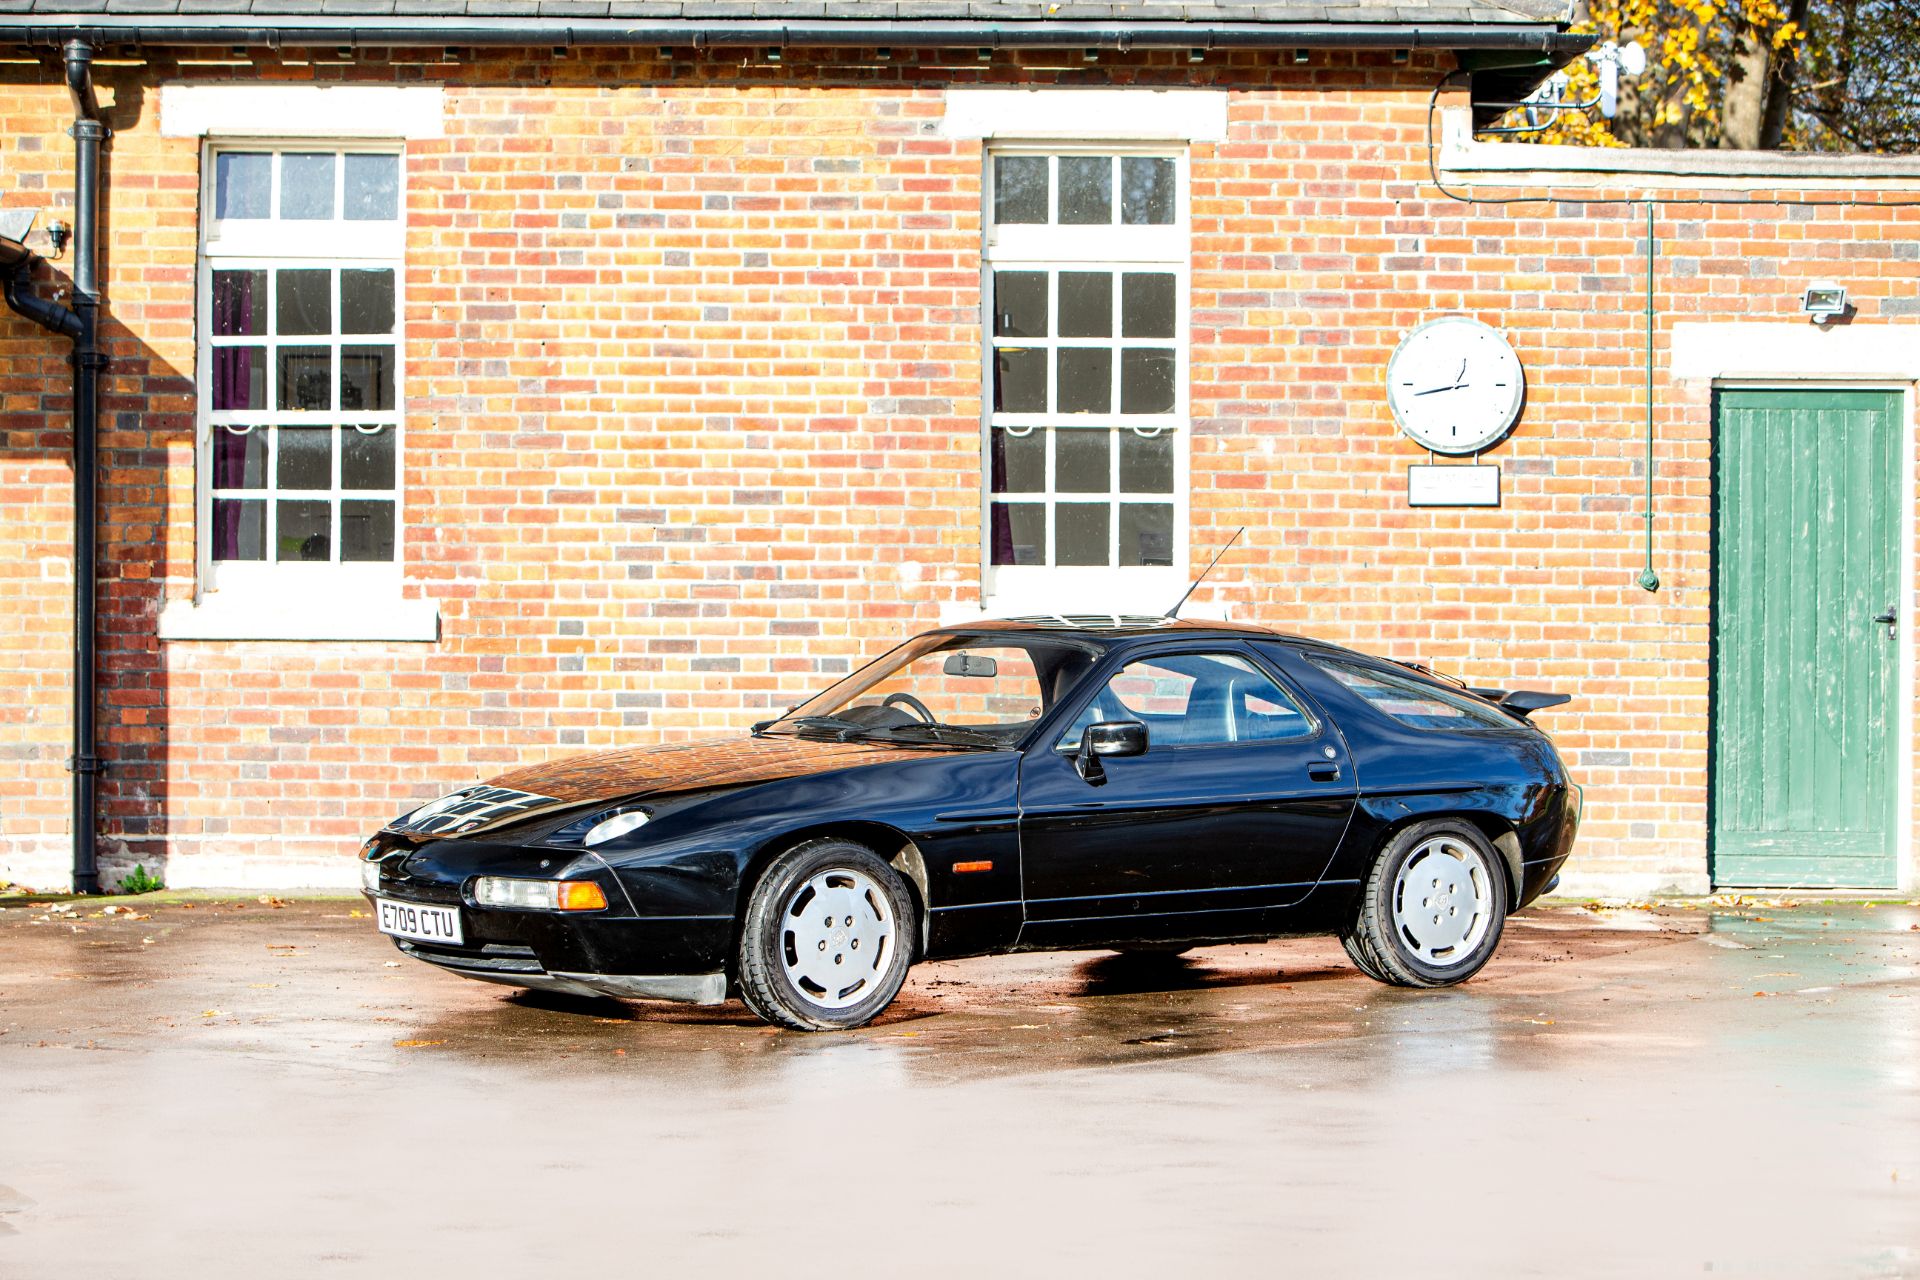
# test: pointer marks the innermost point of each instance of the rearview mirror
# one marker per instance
(978, 666)
(1108, 738)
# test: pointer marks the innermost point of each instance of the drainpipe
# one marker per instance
(79, 324)
(89, 131)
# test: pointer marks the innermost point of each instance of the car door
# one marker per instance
(1234, 810)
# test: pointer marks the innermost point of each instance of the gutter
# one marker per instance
(79, 324)
(365, 32)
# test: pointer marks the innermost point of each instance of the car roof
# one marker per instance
(1108, 629)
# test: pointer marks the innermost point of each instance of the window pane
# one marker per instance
(306, 458)
(366, 301)
(366, 457)
(1146, 462)
(1019, 533)
(366, 377)
(1086, 190)
(239, 529)
(239, 459)
(1080, 533)
(242, 182)
(1086, 380)
(304, 305)
(239, 377)
(1020, 304)
(306, 186)
(1146, 533)
(1086, 304)
(306, 377)
(1081, 461)
(372, 185)
(366, 530)
(1147, 304)
(1146, 380)
(239, 303)
(1019, 380)
(1019, 462)
(1146, 191)
(1413, 701)
(303, 533)
(1020, 189)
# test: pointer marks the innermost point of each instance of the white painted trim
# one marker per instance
(302, 111)
(1906, 853)
(1507, 163)
(227, 616)
(1794, 349)
(1084, 115)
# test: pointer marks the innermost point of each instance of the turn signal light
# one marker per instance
(580, 895)
(539, 895)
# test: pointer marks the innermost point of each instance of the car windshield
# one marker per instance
(951, 690)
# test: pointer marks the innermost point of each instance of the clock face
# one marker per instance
(1455, 385)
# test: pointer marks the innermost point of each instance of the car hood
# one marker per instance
(575, 781)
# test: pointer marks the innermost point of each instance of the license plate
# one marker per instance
(421, 923)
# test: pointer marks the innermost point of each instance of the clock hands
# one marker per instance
(1455, 385)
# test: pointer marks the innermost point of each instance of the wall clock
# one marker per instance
(1455, 385)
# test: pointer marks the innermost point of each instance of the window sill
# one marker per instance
(258, 618)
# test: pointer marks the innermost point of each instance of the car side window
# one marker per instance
(1411, 701)
(1194, 699)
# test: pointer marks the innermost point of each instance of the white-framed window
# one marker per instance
(1085, 281)
(300, 369)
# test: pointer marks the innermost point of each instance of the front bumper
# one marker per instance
(519, 966)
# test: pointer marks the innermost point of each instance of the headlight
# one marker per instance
(615, 827)
(369, 876)
(539, 895)
(432, 807)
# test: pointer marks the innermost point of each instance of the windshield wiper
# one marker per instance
(842, 729)
(937, 733)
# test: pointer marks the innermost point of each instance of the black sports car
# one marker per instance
(1031, 785)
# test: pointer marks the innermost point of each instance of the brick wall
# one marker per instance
(693, 416)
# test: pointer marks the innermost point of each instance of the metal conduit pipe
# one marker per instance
(1543, 38)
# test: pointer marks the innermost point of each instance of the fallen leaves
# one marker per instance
(268, 900)
(416, 1044)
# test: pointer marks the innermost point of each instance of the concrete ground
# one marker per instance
(222, 1088)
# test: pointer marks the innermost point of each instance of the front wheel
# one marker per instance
(1433, 907)
(828, 937)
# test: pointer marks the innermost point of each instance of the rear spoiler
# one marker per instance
(1519, 702)
(1523, 702)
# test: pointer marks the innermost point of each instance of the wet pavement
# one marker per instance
(247, 1089)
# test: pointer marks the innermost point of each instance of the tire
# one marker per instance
(1433, 907)
(807, 971)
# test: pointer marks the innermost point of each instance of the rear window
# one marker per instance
(1413, 701)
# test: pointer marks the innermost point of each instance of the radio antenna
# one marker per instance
(1175, 611)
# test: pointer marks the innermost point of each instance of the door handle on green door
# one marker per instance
(1328, 772)
(1890, 619)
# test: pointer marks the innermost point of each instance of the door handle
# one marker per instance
(1324, 771)
(1890, 619)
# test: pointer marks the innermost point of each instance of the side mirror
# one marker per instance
(1108, 738)
(976, 665)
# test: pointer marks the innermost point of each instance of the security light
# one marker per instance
(1825, 302)
(1301, 57)
(15, 223)
(1196, 55)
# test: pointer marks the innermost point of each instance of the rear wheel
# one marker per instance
(828, 937)
(1433, 908)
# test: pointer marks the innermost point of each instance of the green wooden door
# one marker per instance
(1807, 540)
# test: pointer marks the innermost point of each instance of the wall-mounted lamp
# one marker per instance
(1301, 57)
(1824, 302)
(58, 233)
(1196, 55)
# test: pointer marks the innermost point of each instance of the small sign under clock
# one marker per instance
(1453, 486)
(1455, 386)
